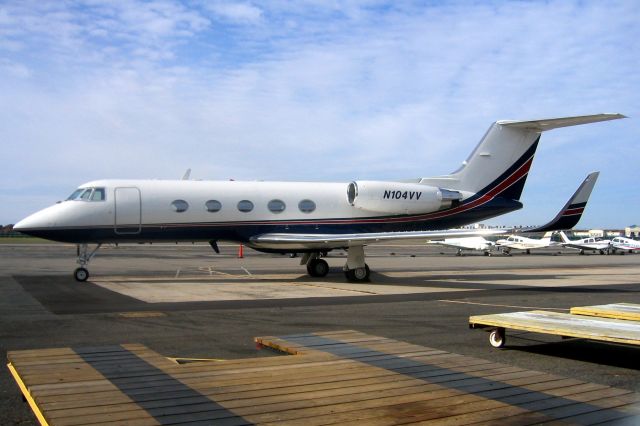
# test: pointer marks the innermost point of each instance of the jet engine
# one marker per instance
(399, 197)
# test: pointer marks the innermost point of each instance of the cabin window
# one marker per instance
(213, 206)
(98, 194)
(276, 206)
(306, 206)
(180, 206)
(245, 206)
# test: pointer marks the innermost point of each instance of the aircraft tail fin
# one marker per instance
(547, 236)
(500, 163)
(571, 213)
(564, 237)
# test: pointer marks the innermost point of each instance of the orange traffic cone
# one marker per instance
(240, 252)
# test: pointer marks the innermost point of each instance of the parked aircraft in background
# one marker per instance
(566, 218)
(625, 244)
(304, 217)
(517, 242)
(467, 243)
(590, 243)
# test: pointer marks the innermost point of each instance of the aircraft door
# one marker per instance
(128, 210)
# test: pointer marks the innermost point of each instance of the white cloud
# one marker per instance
(242, 13)
(314, 91)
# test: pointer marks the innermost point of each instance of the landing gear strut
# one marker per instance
(356, 270)
(81, 274)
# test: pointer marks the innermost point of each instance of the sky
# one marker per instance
(315, 91)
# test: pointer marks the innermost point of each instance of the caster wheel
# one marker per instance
(497, 338)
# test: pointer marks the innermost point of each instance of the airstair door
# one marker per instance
(128, 210)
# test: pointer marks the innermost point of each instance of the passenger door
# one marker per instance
(128, 210)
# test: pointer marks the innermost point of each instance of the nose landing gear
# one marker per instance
(81, 274)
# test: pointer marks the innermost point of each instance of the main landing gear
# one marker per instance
(81, 274)
(356, 270)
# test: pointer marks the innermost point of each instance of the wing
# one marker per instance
(570, 214)
(283, 241)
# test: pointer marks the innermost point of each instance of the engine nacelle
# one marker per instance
(399, 198)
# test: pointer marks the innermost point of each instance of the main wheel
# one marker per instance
(497, 338)
(318, 268)
(358, 274)
(81, 274)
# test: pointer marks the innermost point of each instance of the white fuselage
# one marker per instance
(468, 243)
(588, 244)
(523, 243)
(161, 210)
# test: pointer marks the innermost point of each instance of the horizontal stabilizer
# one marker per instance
(554, 123)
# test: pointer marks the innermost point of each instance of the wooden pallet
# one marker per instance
(607, 323)
(624, 311)
(337, 377)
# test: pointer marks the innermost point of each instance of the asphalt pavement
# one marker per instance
(190, 302)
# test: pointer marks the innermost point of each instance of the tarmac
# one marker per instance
(186, 301)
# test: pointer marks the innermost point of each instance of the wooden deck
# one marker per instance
(339, 377)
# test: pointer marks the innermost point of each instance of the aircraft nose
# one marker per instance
(32, 223)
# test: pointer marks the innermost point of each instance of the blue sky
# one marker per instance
(315, 90)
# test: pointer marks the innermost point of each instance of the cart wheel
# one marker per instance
(497, 338)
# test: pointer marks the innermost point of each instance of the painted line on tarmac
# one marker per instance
(349, 290)
(247, 271)
(501, 306)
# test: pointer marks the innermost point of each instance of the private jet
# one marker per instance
(303, 217)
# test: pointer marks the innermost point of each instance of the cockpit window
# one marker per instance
(75, 194)
(88, 194)
(98, 194)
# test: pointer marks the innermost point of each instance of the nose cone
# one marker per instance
(37, 222)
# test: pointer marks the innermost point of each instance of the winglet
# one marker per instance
(186, 175)
(571, 213)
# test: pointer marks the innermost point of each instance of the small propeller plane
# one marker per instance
(590, 243)
(303, 217)
(625, 244)
(467, 243)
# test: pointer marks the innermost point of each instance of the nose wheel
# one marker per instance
(81, 274)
